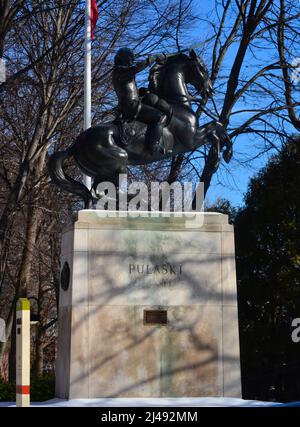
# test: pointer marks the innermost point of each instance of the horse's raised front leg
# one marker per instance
(213, 159)
(216, 135)
(226, 142)
(228, 152)
(214, 156)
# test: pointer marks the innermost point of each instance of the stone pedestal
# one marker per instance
(150, 310)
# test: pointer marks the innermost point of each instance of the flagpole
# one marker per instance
(87, 77)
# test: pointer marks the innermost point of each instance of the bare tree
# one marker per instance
(251, 65)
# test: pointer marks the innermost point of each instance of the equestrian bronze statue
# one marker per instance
(152, 123)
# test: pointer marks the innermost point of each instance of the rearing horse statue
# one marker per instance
(103, 152)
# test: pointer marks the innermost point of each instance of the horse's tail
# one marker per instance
(62, 180)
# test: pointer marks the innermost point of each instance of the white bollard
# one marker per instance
(23, 353)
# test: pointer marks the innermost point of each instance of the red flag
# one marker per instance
(94, 17)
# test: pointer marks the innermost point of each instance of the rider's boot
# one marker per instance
(165, 108)
(160, 104)
(154, 136)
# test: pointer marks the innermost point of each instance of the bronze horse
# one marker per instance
(103, 152)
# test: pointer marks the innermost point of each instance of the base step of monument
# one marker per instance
(157, 402)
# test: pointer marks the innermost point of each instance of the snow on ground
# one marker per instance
(167, 402)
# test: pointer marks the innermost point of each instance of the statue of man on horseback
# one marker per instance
(153, 123)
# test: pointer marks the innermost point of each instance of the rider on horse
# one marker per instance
(105, 151)
(148, 109)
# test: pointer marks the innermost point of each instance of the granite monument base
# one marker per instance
(148, 309)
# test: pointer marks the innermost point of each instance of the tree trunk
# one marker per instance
(38, 366)
(12, 353)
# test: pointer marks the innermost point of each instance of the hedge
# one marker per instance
(41, 389)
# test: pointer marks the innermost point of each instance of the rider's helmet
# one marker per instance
(124, 57)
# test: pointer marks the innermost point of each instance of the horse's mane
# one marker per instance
(176, 58)
(158, 72)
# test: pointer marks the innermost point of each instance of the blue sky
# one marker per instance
(232, 185)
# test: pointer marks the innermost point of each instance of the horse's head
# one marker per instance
(168, 75)
(197, 75)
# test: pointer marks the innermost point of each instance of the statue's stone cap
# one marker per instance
(189, 221)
